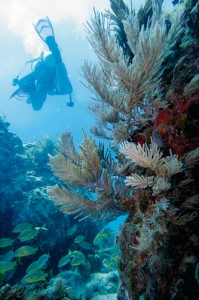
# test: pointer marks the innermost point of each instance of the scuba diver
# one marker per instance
(49, 76)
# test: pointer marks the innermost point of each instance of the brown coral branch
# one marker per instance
(72, 203)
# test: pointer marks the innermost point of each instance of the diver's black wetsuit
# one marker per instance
(49, 77)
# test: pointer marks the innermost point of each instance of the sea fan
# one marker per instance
(67, 148)
(85, 171)
(98, 85)
(192, 87)
(151, 157)
(90, 160)
(107, 160)
(120, 133)
(161, 185)
(146, 239)
(139, 181)
(67, 171)
(144, 156)
(72, 203)
(99, 132)
(192, 158)
(124, 83)
(77, 169)
(173, 165)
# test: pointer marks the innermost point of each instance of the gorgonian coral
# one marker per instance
(90, 171)
(151, 157)
(125, 86)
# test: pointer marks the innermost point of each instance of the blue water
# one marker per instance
(55, 117)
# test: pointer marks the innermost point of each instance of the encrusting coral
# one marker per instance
(146, 100)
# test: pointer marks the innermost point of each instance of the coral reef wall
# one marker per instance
(146, 100)
(25, 177)
(45, 254)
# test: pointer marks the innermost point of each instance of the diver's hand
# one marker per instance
(15, 81)
(70, 104)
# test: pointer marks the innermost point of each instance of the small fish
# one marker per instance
(7, 265)
(110, 250)
(27, 235)
(6, 242)
(7, 256)
(63, 261)
(102, 235)
(68, 275)
(72, 230)
(42, 261)
(41, 228)
(77, 261)
(35, 276)
(32, 267)
(21, 227)
(86, 245)
(78, 258)
(79, 239)
(75, 253)
(111, 263)
(25, 251)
